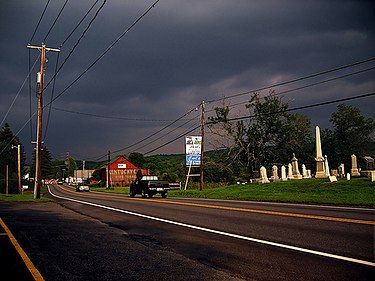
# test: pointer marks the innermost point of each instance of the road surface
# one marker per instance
(192, 239)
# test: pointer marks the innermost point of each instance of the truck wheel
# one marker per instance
(164, 194)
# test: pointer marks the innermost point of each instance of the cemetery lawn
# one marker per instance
(356, 192)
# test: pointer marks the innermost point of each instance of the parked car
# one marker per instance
(60, 182)
(82, 187)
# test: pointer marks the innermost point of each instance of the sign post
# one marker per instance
(193, 152)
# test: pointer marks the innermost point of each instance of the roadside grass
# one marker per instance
(120, 190)
(27, 196)
(356, 192)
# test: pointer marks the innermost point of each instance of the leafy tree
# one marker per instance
(71, 165)
(137, 159)
(269, 137)
(352, 133)
(9, 157)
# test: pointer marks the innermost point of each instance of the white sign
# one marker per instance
(193, 147)
(121, 166)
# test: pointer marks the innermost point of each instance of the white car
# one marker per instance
(82, 187)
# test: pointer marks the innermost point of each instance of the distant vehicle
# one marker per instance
(82, 187)
(148, 186)
(60, 181)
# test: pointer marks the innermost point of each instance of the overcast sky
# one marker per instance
(179, 54)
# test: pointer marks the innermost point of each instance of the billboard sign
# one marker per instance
(121, 166)
(193, 148)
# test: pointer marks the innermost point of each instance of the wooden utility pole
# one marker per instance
(39, 94)
(201, 184)
(108, 170)
(19, 167)
(7, 180)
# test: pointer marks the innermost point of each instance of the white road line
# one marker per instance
(304, 250)
(278, 203)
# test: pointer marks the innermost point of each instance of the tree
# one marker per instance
(9, 157)
(137, 159)
(270, 136)
(352, 133)
(46, 165)
(71, 165)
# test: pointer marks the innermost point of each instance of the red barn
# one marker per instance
(122, 172)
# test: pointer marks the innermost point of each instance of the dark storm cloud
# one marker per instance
(179, 54)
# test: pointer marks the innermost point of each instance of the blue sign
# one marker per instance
(193, 160)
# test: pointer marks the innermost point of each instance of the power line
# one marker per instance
(169, 142)
(309, 85)
(295, 80)
(300, 107)
(166, 134)
(93, 63)
(79, 23)
(252, 116)
(53, 24)
(40, 19)
(18, 93)
(52, 93)
(111, 117)
(147, 137)
(107, 50)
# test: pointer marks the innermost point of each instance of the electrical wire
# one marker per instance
(299, 107)
(17, 94)
(40, 19)
(52, 94)
(252, 116)
(147, 137)
(166, 134)
(294, 80)
(79, 23)
(54, 23)
(106, 51)
(112, 117)
(308, 85)
(173, 140)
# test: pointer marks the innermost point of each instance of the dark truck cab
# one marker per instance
(148, 186)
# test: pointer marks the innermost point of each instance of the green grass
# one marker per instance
(120, 190)
(27, 196)
(357, 192)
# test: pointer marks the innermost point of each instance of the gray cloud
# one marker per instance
(181, 53)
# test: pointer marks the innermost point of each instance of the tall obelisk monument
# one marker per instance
(320, 169)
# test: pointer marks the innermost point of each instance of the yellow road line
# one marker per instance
(257, 211)
(265, 212)
(29, 264)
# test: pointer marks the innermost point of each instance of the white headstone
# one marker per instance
(309, 174)
(283, 173)
(342, 170)
(348, 176)
(275, 176)
(304, 171)
(290, 172)
(326, 166)
(263, 175)
(354, 171)
(320, 172)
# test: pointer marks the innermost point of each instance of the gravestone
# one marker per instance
(275, 176)
(320, 169)
(335, 172)
(283, 173)
(342, 170)
(304, 172)
(296, 174)
(290, 172)
(369, 163)
(326, 166)
(309, 174)
(354, 170)
(348, 176)
(263, 175)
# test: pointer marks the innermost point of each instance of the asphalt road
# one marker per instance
(108, 237)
